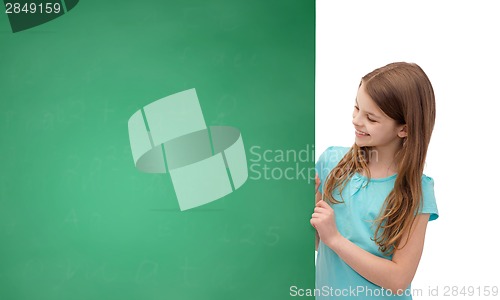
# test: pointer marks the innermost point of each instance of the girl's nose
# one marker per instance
(355, 121)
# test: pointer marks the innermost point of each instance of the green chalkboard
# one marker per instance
(78, 220)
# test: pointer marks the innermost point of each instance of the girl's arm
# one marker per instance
(395, 275)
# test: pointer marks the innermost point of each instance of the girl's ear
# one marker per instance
(403, 132)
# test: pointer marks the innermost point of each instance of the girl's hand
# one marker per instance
(323, 219)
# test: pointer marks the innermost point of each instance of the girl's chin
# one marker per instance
(361, 143)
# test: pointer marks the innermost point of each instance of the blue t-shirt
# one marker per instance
(334, 278)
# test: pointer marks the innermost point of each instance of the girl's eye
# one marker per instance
(357, 108)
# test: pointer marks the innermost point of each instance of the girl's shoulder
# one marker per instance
(334, 153)
(329, 159)
(427, 180)
(427, 184)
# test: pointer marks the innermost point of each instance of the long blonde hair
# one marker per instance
(405, 94)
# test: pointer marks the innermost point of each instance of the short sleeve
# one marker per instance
(429, 200)
(327, 161)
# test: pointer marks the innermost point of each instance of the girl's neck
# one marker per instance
(382, 161)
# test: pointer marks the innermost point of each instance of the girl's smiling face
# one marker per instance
(378, 128)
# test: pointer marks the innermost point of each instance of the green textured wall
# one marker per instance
(79, 221)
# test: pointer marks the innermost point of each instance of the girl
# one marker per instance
(373, 201)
